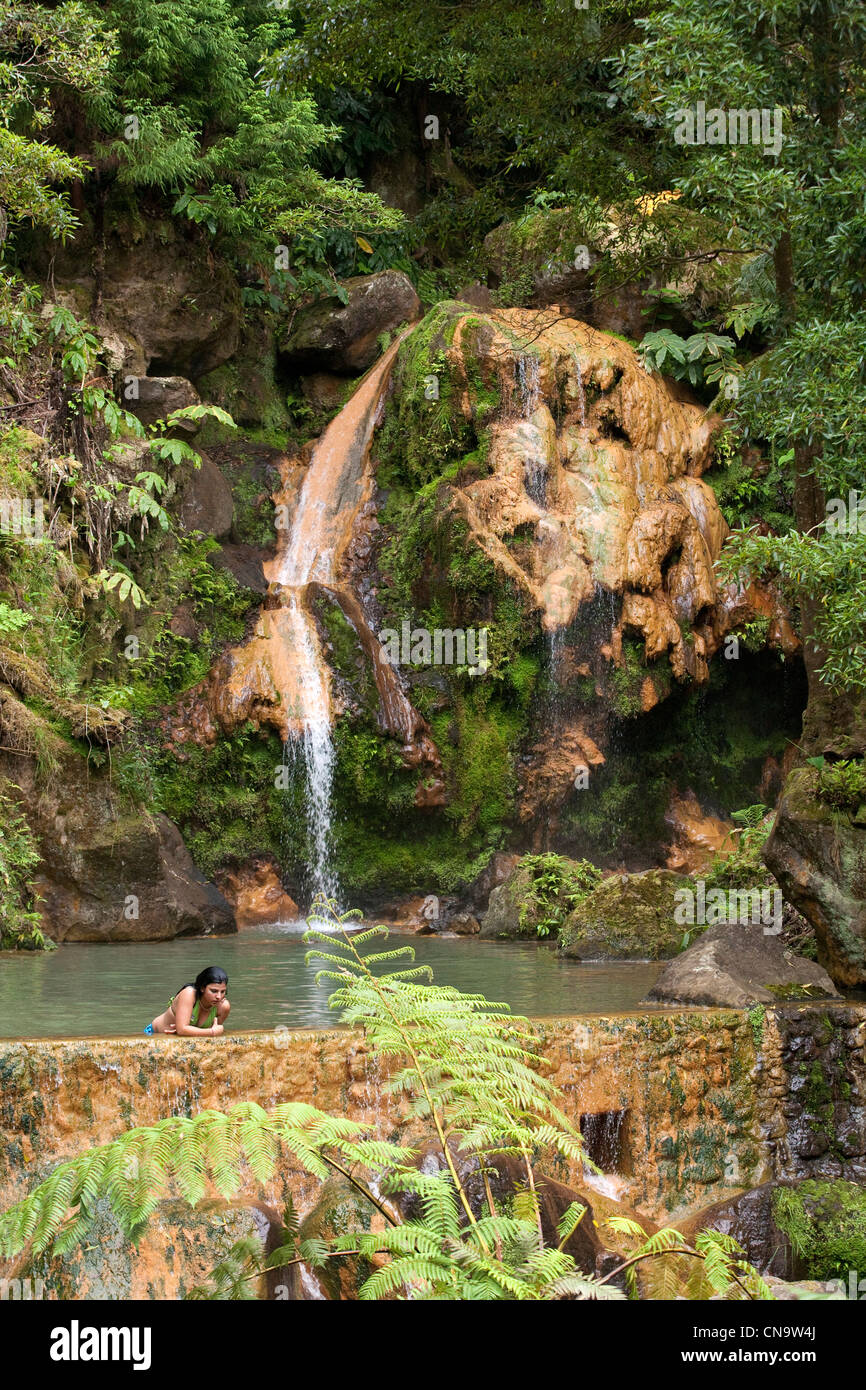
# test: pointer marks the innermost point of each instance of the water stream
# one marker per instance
(335, 487)
(528, 382)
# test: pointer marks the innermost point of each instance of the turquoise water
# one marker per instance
(114, 989)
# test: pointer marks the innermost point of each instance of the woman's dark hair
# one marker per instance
(211, 975)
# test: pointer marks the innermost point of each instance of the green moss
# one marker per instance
(714, 740)
(826, 1224)
(626, 681)
(226, 802)
(346, 656)
(756, 1015)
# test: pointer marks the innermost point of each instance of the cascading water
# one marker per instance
(528, 382)
(333, 491)
(315, 746)
(535, 480)
(581, 394)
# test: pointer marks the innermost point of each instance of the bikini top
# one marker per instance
(194, 1016)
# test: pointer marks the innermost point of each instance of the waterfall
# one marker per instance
(528, 382)
(581, 394)
(335, 487)
(313, 746)
(555, 652)
(535, 480)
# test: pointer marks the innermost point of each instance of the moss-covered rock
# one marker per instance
(627, 917)
(818, 855)
(826, 1225)
(538, 896)
(176, 1253)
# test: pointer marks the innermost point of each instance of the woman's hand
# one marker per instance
(216, 1029)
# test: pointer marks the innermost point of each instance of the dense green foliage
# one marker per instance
(19, 924)
(826, 1225)
(800, 210)
(555, 887)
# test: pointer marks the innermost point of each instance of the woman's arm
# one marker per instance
(183, 1007)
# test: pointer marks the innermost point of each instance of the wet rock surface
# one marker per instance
(627, 917)
(734, 965)
(794, 1231)
(684, 1080)
(114, 874)
(176, 1253)
(819, 859)
(257, 895)
(812, 1090)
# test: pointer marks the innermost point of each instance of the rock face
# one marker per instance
(749, 1219)
(207, 503)
(795, 1230)
(158, 396)
(819, 858)
(698, 836)
(734, 965)
(593, 482)
(628, 917)
(334, 337)
(676, 1141)
(812, 1091)
(258, 896)
(112, 875)
(189, 326)
(176, 1252)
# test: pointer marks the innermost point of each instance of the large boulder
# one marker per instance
(734, 965)
(110, 872)
(152, 398)
(627, 917)
(542, 259)
(207, 504)
(334, 337)
(749, 1218)
(258, 896)
(819, 857)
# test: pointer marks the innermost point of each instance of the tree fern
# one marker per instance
(187, 1155)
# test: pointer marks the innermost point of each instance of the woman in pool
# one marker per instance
(199, 1010)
